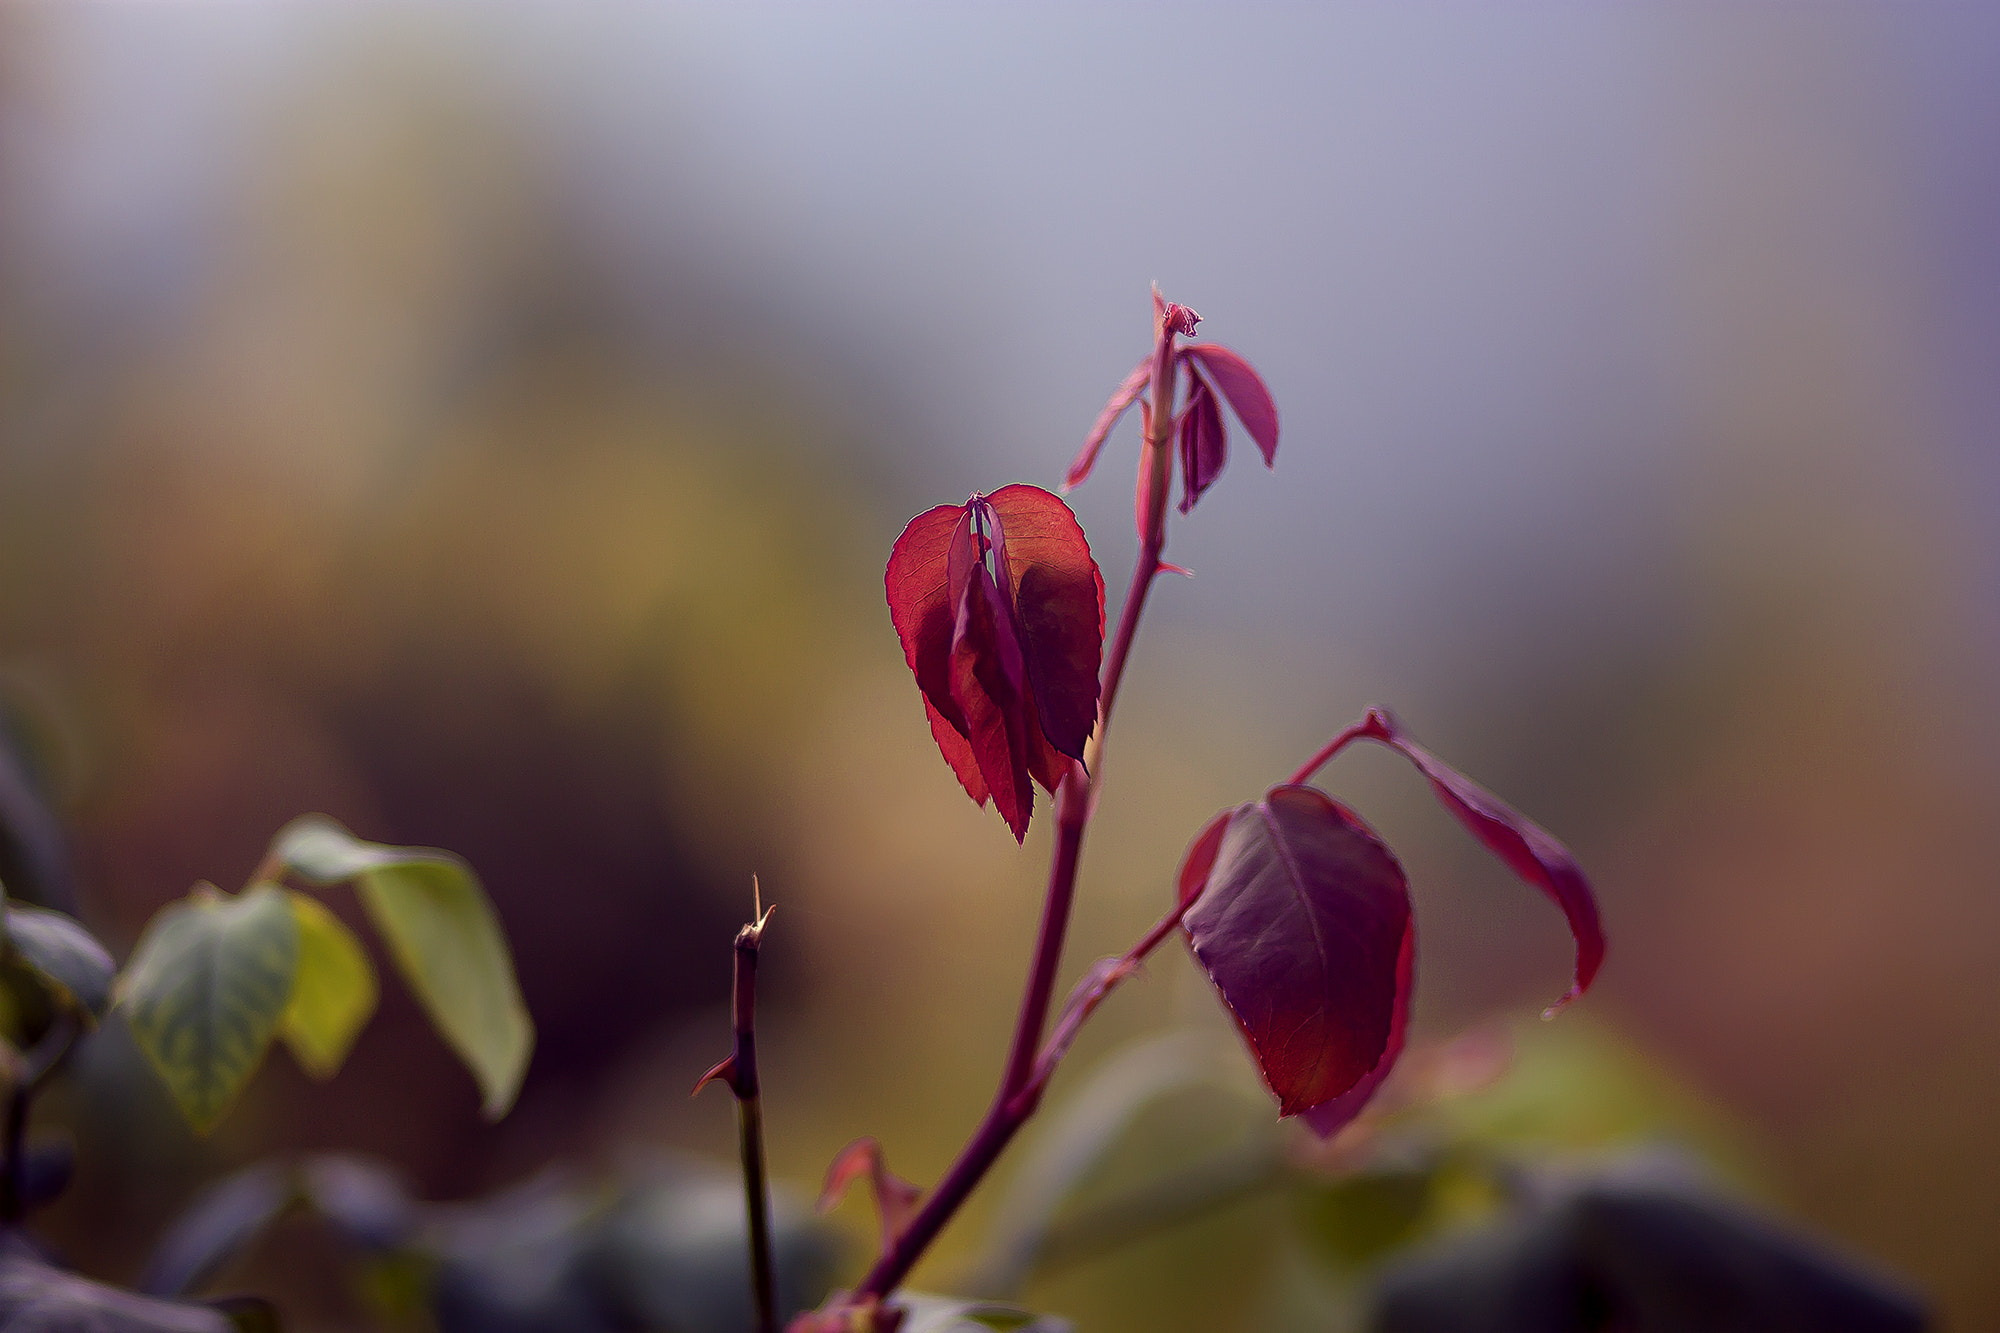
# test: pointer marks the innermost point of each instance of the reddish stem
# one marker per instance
(739, 1073)
(1025, 1075)
(1371, 726)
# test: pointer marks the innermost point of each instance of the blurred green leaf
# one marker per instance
(445, 939)
(333, 994)
(206, 988)
(1575, 1084)
(63, 955)
(1358, 1218)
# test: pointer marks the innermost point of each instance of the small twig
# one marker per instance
(739, 1072)
(36, 1065)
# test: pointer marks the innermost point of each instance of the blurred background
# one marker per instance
(487, 426)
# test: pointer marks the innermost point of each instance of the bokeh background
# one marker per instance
(488, 426)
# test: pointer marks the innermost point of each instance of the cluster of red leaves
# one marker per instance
(1200, 437)
(1001, 612)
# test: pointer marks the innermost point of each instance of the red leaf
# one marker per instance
(1329, 1118)
(1204, 443)
(1244, 388)
(1058, 597)
(1524, 845)
(1100, 430)
(1200, 858)
(957, 752)
(1006, 656)
(895, 1198)
(988, 678)
(1301, 925)
(922, 605)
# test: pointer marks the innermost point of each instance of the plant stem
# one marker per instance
(36, 1065)
(1370, 725)
(1028, 1066)
(739, 1071)
(1072, 816)
(750, 1123)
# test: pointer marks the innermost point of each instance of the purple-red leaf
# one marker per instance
(988, 678)
(1524, 845)
(1329, 1118)
(1204, 443)
(922, 605)
(1244, 388)
(1301, 924)
(1200, 858)
(895, 1198)
(1100, 430)
(1000, 610)
(1058, 597)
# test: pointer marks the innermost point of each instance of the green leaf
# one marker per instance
(207, 985)
(1358, 1218)
(445, 939)
(63, 956)
(333, 994)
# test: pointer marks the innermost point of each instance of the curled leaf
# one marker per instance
(1301, 924)
(1525, 846)
(989, 685)
(1122, 398)
(895, 1198)
(1204, 444)
(1244, 388)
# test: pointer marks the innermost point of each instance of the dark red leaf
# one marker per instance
(988, 683)
(1058, 597)
(1200, 858)
(1100, 430)
(1204, 443)
(1301, 925)
(1526, 848)
(1329, 1118)
(922, 604)
(1244, 388)
(895, 1198)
